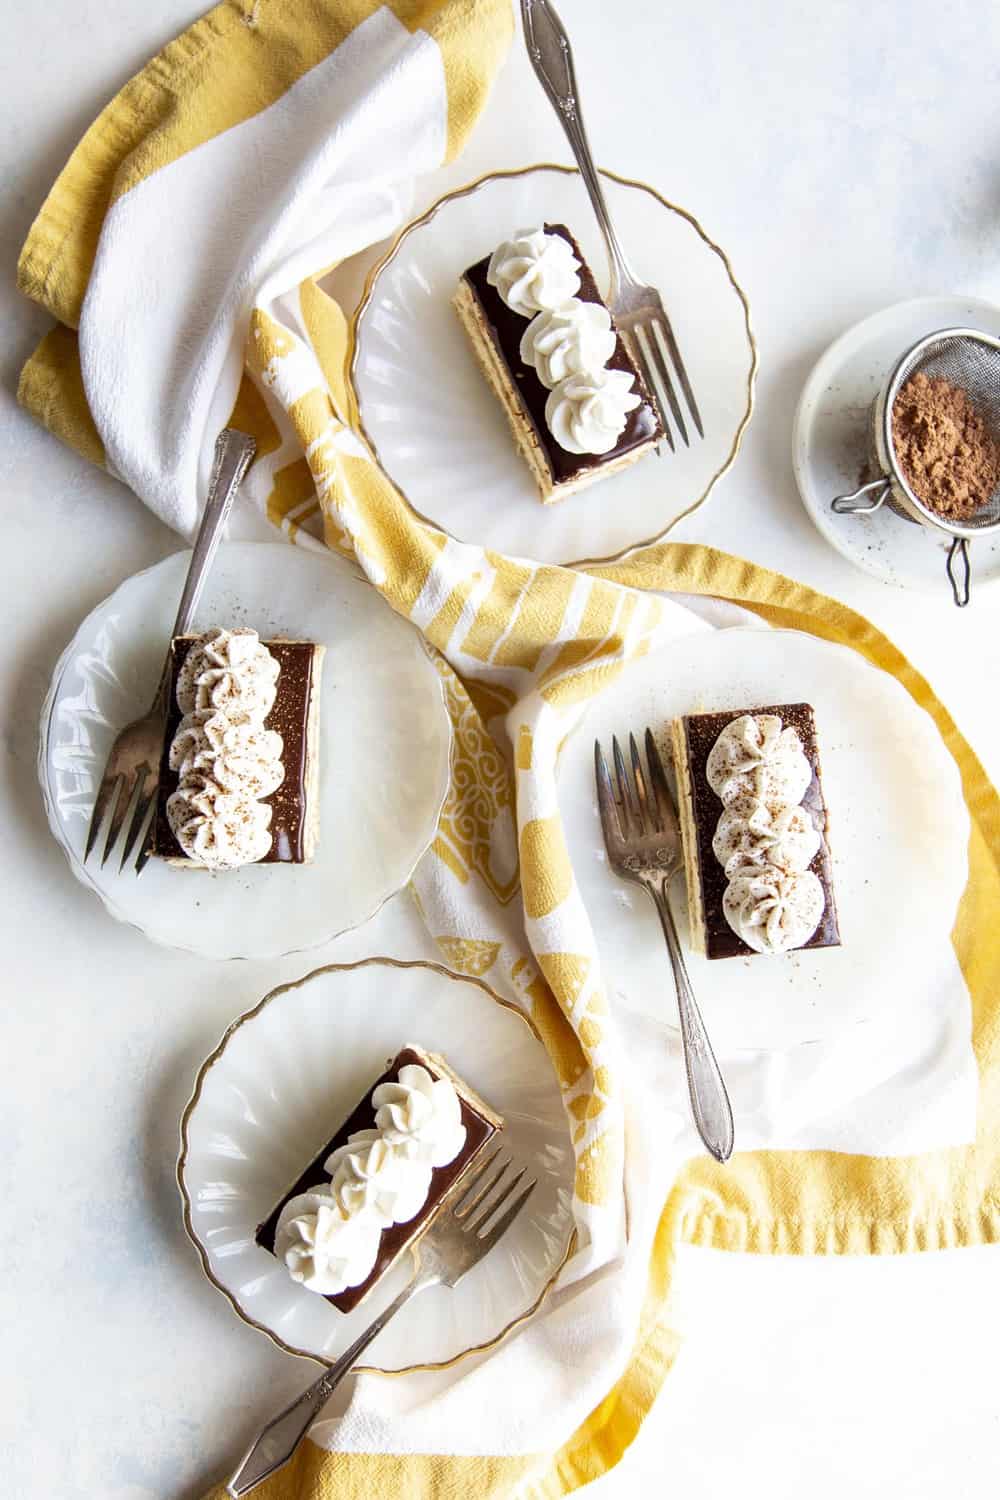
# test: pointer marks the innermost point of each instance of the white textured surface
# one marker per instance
(841, 156)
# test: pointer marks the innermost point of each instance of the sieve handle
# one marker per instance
(961, 585)
(847, 505)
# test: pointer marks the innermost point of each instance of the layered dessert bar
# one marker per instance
(575, 401)
(754, 829)
(377, 1182)
(240, 767)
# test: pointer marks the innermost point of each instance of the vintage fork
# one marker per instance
(638, 310)
(131, 777)
(464, 1229)
(643, 841)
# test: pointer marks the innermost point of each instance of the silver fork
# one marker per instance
(464, 1229)
(638, 310)
(131, 777)
(643, 841)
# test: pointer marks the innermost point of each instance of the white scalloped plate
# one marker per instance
(276, 1088)
(385, 746)
(899, 832)
(439, 431)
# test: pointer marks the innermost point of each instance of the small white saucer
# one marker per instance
(830, 446)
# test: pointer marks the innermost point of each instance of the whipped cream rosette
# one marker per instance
(765, 840)
(751, 832)
(771, 909)
(220, 829)
(239, 755)
(369, 1174)
(225, 758)
(324, 1247)
(229, 670)
(534, 271)
(757, 757)
(420, 1116)
(568, 340)
(587, 411)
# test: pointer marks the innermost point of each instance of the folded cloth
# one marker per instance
(184, 241)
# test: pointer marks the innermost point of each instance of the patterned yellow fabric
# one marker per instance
(523, 649)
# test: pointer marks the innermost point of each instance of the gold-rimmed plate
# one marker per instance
(439, 432)
(277, 1086)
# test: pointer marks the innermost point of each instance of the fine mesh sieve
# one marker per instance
(969, 360)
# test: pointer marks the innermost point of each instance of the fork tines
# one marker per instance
(636, 805)
(478, 1200)
(655, 350)
(122, 806)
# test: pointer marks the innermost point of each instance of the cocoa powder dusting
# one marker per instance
(944, 448)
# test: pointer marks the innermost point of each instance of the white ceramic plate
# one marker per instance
(830, 446)
(898, 836)
(276, 1088)
(439, 431)
(384, 748)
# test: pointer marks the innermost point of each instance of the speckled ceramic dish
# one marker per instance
(831, 447)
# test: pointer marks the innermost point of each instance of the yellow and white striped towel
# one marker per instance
(180, 252)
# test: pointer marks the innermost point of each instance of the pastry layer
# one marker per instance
(481, 1125)
(495, 332)
(699, 808)
(295, 716)
(310, 825)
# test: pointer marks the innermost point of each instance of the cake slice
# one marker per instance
(574, 398)
(375, 1185)
(239, 774)
(754, 830)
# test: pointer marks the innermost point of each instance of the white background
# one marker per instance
(846, 155)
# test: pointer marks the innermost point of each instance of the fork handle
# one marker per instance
(233, 452)
(276, 1443)
(552, 59)
(710, 1104)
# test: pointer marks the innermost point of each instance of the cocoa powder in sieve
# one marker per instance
(946, 452)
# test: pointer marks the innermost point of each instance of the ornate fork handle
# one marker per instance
(275, 1445)
(710, 1105)
(234, 453)
(552, 59)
